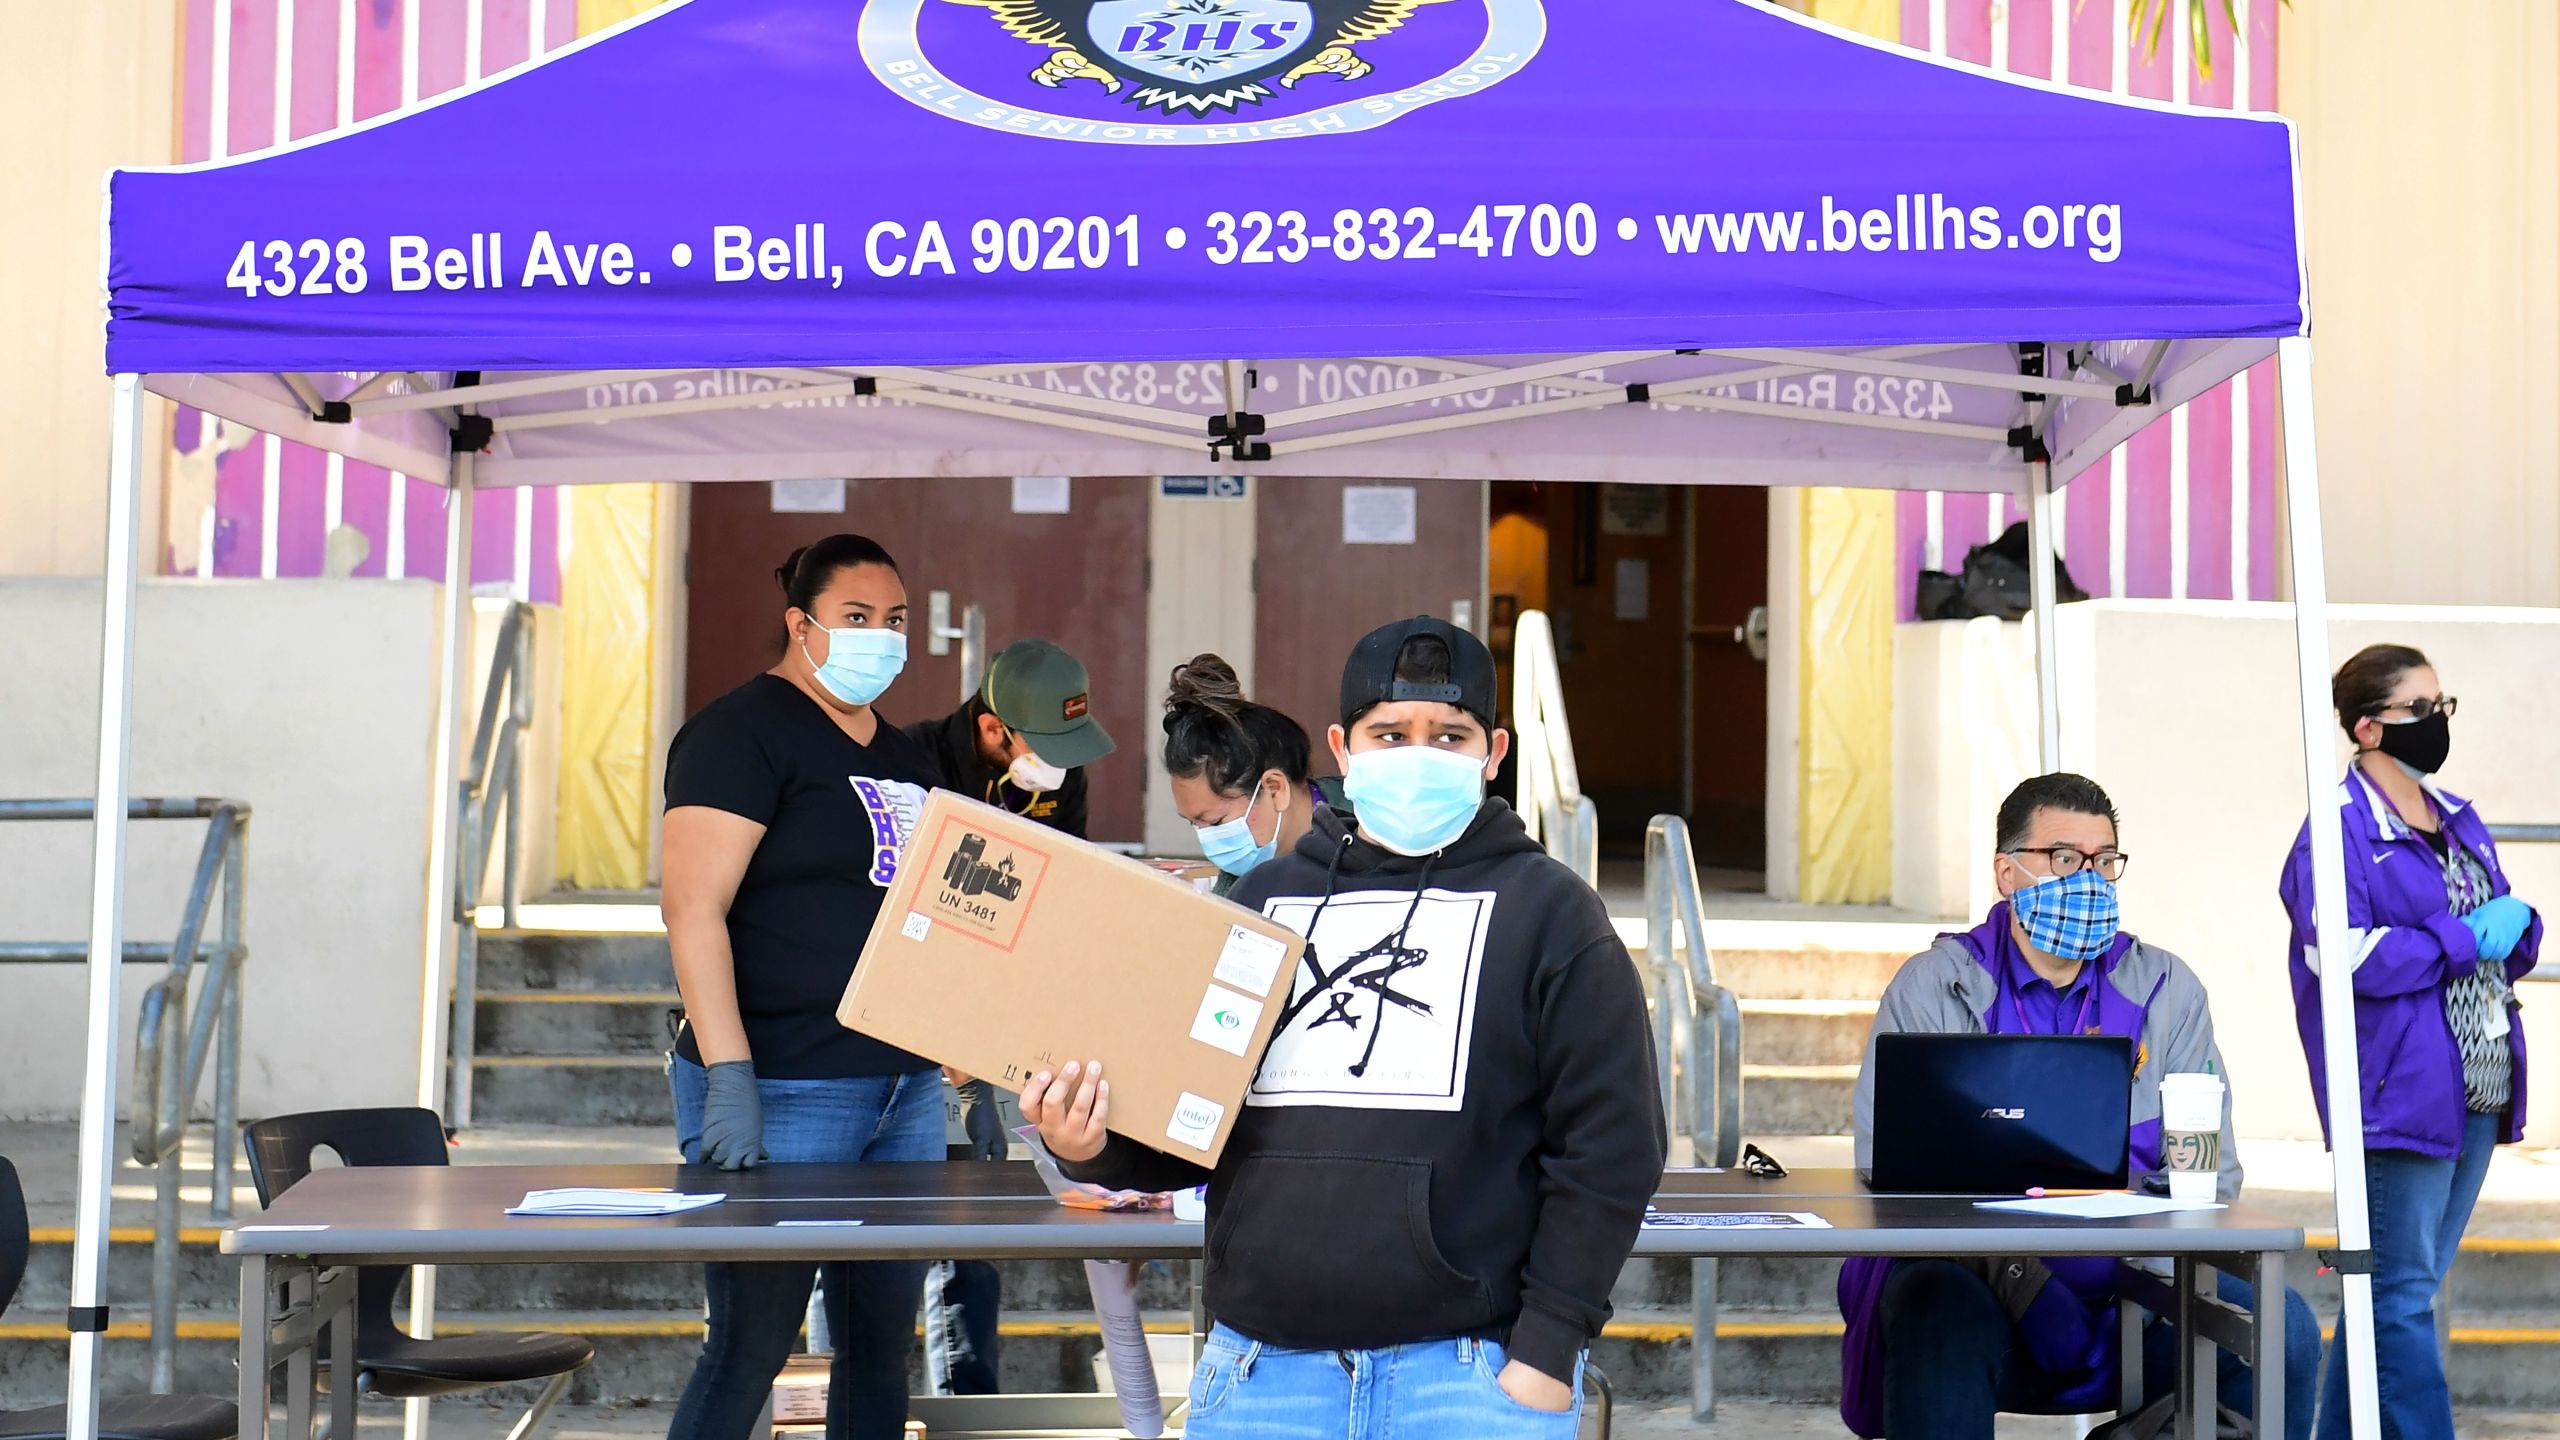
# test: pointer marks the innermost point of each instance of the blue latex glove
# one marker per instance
(2058, 1331)
(2499, 925)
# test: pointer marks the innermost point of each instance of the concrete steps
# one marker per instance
(573, 1029)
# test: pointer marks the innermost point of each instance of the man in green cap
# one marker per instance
(1021, 743)
(1023, 740)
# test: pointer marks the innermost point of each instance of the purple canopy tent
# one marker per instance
(1686, 241)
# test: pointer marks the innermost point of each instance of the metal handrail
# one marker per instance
(1698, 1043)
(1552, 806)
(175, 1040)
(492, 782)
(2545, 974)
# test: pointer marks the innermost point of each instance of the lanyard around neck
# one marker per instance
(2078, 1027)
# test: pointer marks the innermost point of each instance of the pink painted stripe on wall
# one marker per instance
(440, 27)
(1968, 30)
(367, 507)
(493, 537)
(315, 85)
(2087, 527)
(377, 57)
(546, 546)
(505, 34)
(2093, 44)
(302, 486)
(2262, 481)
(423, 507)
(195, 116)
(253, 75)
(2209, 495)
(2146, 513)
(2031, 38)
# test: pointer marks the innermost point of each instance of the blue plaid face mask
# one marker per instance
(2070, 917)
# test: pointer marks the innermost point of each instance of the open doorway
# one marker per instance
(1652, 590)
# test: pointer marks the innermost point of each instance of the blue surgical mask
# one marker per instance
(860, 663)
(1414, 799)
(1230, 844)
(2069, 917)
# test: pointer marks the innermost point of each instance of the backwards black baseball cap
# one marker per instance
(1369, 677)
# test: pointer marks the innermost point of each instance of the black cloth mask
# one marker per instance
(2419, 744)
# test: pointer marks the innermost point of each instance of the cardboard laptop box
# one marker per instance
(1005, 949)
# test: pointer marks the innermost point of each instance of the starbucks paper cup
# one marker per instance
(2191, 1134)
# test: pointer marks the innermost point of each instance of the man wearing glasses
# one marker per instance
(1937, 1347)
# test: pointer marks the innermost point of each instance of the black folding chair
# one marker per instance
(141, 1417)
(390, 1362)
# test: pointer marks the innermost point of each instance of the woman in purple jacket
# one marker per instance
(2438, 943)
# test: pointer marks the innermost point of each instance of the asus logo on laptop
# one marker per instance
(1996, 1113)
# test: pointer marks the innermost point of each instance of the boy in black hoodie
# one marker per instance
(1445, 1156)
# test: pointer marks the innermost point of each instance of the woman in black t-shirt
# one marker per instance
(789, 800)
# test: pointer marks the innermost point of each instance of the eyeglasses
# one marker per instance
(2423, 708)
(2071, 860)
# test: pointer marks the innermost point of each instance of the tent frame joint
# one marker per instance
(1640, 394)
(2346, 1262)
(1229, 433)
(334, 412)
(86, 1320)
(2128, 398)
(2029, 445)
(472, 434)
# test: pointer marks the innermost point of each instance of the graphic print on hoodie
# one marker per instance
(1391, 1023)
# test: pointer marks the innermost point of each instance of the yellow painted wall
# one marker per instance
(89, 85)
(1843, 602)
(2431, 193)
(617, 671)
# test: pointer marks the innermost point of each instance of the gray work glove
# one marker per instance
(733, 1118)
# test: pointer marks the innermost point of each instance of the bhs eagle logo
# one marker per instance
(1199, 57)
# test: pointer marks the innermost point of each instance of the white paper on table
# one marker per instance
(611, 1202)
(1733, 1220)
(2106, 1205)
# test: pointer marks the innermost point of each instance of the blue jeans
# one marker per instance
(756, 1309)
(1434, 1390)
(1953, 1360)
(2420, 1207)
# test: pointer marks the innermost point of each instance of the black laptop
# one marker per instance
(2000, 1114)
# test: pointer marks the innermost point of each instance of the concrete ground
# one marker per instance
(456, 1420)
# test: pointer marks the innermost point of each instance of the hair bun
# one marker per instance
(1207, 682)
(783, 573)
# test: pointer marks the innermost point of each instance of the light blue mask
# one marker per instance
(860, 663)
(1230, 844)
(1414, 799)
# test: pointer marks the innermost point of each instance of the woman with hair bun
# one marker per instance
(1238, 769)
(789, 800)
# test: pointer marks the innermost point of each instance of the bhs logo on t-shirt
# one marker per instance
(893, 806)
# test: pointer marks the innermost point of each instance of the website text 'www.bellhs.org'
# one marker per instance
(1913, 222)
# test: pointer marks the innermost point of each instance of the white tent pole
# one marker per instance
(2042, 588)
(453, 692)
(88, 1319)
(2328, 877)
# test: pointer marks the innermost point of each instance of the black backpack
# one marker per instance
(1994, 582)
